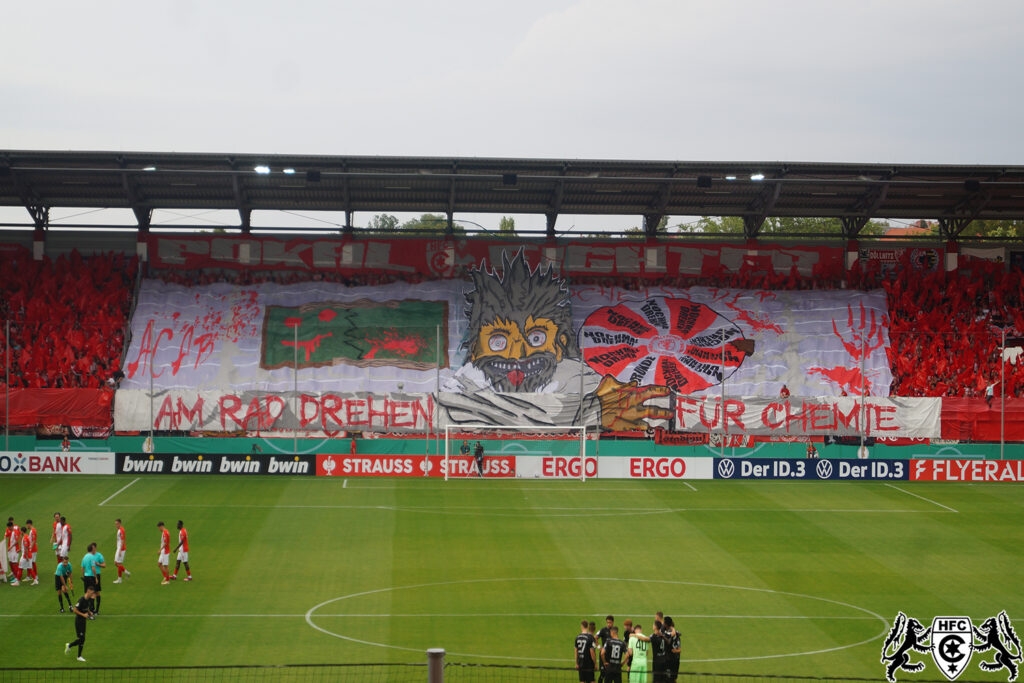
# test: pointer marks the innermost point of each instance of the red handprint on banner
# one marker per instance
(866, 336)
(756, 322)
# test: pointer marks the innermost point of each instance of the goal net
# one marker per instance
(566, 442)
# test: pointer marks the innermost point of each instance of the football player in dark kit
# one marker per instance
(611, 656)
(585, 654)
(82, 614)
(603, 636)
(659, 652)
(674, 649)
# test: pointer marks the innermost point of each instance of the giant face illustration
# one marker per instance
(520, 325)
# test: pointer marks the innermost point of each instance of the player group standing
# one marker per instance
(164, 559)
(630, 653)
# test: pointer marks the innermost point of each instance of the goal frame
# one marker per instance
(458, 429)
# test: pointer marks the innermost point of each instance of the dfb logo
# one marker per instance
(951, 644)
(823, 469)
(329, 466)
(726, 468)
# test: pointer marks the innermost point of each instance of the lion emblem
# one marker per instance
(907, 635)
(996, 633)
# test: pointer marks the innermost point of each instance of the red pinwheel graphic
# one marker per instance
(671, 342)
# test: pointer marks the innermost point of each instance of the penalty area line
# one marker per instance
(928, 500)
(119, 491)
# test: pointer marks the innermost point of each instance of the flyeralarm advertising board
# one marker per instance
(966, 470)
(196, 463)
(15, 462)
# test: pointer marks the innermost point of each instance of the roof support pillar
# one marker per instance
(552, 218)
(41, 219)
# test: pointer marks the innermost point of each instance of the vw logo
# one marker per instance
(824, 469)
(726, 468)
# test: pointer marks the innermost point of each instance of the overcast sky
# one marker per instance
(873, 81)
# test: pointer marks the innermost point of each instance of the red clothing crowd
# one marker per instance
(68, 318)
(947, 327)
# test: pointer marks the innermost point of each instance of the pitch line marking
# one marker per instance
(873, 616)
(544, 511)
(568, 615)
(119, 491)
(689, 485)
(929, 500)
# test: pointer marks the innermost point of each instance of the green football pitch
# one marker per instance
(786, 578)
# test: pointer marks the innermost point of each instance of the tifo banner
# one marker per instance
(967, 470)
(514, 344)
(843, 416)
(192, 463)
(811, 469)
(13, 462)
(501, 466)
(447, 258)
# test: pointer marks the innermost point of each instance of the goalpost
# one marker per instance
(574, 437)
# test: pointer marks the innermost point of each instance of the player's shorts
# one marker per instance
(182, 556)
(673, 670)
(586, 674)
(165, 559)
(88, 581)
(638, 674)
(34, 555)
(96, 586)
(613, 676)
(58, 584)
(12, 557)
(119, 557)
(26, 562)
(64, 549)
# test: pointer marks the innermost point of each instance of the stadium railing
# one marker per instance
(443, 672)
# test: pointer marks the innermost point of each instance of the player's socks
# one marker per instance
(60, 601)
(98, 598)
(120, 570)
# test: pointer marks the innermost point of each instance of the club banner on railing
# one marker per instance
(513, 344)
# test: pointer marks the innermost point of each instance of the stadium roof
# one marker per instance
(854, 193)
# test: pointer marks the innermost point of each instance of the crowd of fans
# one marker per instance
(70, 315)
(946, 328)
(68, 318)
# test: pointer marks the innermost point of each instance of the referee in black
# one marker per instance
(82, 614)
